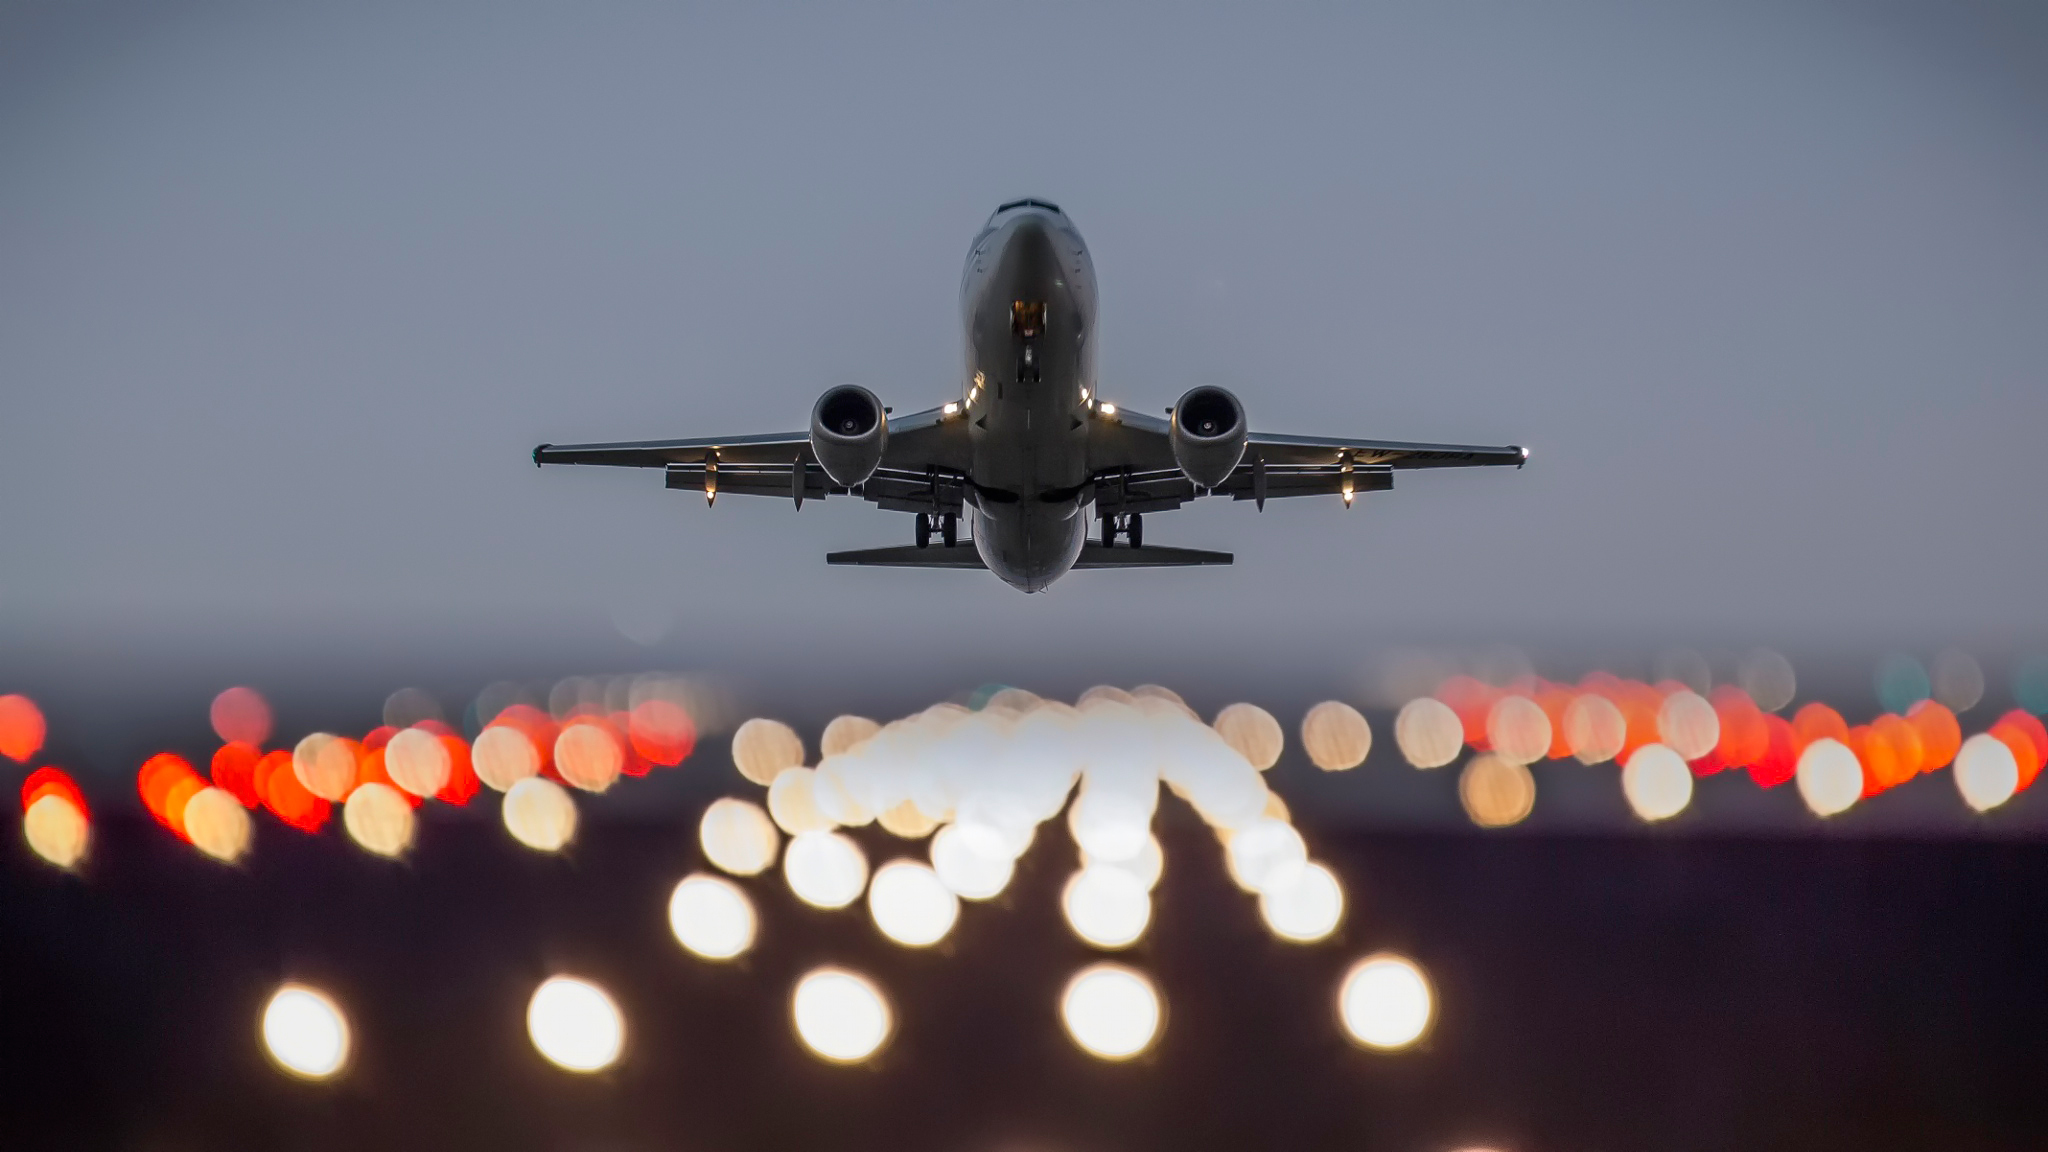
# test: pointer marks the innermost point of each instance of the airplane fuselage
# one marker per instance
(1028, 298)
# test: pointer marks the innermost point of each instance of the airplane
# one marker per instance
(1031, 449)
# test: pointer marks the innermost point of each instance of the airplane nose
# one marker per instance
(1028, 250)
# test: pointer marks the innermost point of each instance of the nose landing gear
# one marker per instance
(948, 525)
(1131, 526)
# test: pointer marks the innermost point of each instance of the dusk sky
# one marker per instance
(287, 296)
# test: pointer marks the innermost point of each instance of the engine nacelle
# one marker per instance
(1208, 435)
(849, 430)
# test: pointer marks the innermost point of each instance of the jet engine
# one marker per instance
(1208, 435)
(849, 430)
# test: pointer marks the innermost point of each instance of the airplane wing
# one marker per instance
(1135, 470)
(920, 468)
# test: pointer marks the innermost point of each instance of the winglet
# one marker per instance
(545, 447)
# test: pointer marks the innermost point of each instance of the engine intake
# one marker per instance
(1208, 435)
(849, 430)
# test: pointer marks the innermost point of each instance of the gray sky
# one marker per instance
(287, 293)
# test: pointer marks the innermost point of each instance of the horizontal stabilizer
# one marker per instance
(1150, 556)
(1093, 555)
(910, 556)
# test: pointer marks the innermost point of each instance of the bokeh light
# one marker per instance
(1148, 865)
(588, 756)
(1518, 730)
(379, 819)
(1106, 907)
(911, 905)
(907, 821)
(840, 1015)
(1987, 773)
(712, 917)
(503, 756)
(793, 804)
(305, 1032)
(1253, 732)
(1901, 683)
(1385, 1002)
(56, 829)
(762, 748)
(1656, 782)
(1335, 736)
(217, 824)
(418, 762)
(1594, 728)
(1941, 735)
(1307, 908)
(738, 837)
(1688, 725)
(825, 869)
(540, 814)
(1111, 1012)
(1428, 733)
(1265, 854)
(575, 1024)
(240, 715)
(1958, 680)
(326, 765)
(842, 735)
(1496, 792)
(1830, 778)
(967, 871)
(21, 728)
(1768, 679)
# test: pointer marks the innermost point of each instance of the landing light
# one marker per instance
(951, 408)
(1108, 409)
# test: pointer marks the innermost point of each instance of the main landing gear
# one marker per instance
(1130, 525)
(948, 525)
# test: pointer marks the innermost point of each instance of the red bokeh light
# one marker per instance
(21, 728)
(1472, 699)
(1745, 738)
(46, 780)
(234, 771)
(462, 783)
(1781, 753)
(241, 715)
(2023, 733)
(370, 770)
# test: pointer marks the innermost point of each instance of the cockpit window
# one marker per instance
(1048, 205)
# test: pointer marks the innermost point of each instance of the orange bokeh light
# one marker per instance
(1780, 761)
(234, 771)
(285, 797)
(1817, 721)
(2022, 732)
(241, 715)
(1904, 742)
(46, 780)
(1941, 737)
(538, 727)
(462, 781)
(21, 728)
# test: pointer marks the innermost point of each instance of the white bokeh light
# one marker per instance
(1987, 773)
(825, 869)
(1107, 907)
(575, 1024)
(738, 837)
(712, 917)
(1657, 782)
(1385, 1002)
(1830, 777)
(840, 1015)
(1111, 1011)
(971, 874)
(911, 905)
(305, 1032)
(1306, 909)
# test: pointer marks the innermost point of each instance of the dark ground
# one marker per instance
(1596, 993)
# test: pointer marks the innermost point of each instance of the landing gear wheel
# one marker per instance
(924, 530)
(949, 529)
(1109, 531)
(1135, 530)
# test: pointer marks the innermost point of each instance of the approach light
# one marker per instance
(575, 1024)
(1385, 1002)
